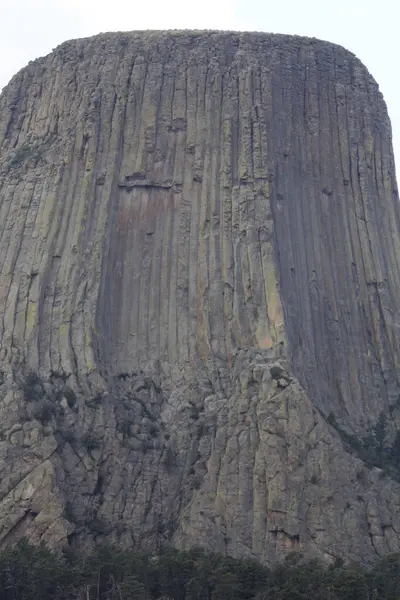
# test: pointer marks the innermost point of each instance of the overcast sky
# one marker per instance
(369, 28)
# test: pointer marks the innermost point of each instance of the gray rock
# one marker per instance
(199, 259)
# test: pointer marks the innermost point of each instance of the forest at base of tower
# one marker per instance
(107, 573)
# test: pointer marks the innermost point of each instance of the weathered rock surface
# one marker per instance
(199, 261)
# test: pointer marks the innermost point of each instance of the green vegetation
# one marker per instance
(374, 448)
(90, 441)
(169, 458)
(70, 396)
(41, 405)
(28, 573)
(32, 387)
(94, 402)
(124, 427)
(44, 412)
(26, 152)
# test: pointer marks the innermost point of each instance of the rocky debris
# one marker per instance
(199, 263)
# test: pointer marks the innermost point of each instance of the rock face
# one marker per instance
(199, 262)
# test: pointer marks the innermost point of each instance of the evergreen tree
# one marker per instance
(379, 432)
(107, 573)
(395, 451)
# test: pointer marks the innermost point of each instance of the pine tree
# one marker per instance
(379, 432)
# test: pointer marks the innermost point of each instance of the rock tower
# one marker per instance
(199, 297)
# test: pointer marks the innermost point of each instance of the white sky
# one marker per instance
(369, 28)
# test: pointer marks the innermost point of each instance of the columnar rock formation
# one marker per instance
(199, 264)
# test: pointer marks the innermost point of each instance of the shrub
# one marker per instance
(70, 396)
(67, 435)
(69, 512)
(94, 402)
(44, 412)
(90, 441)
(97, 525)
(124, 427)
(32, 387)
(169, 459)
(25, 152)
(153, 430)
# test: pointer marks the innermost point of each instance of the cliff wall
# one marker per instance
(199, 263)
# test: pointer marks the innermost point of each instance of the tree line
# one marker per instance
(108, 573)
